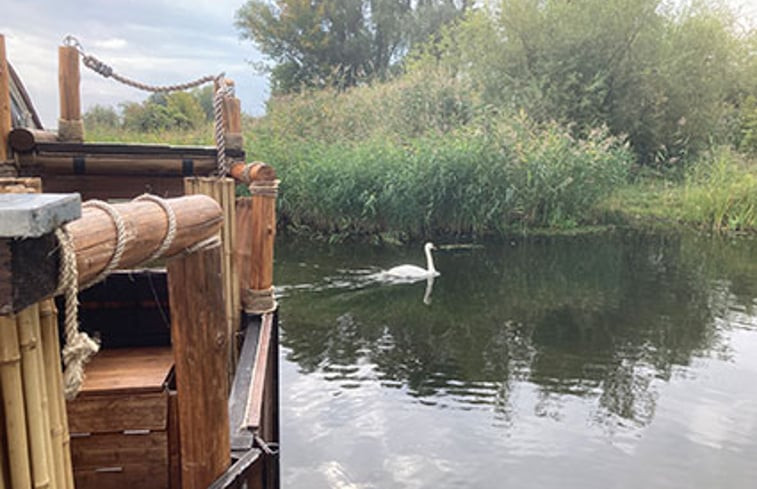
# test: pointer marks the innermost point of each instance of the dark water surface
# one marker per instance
(620, 361)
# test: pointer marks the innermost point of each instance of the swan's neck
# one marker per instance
(429, 261)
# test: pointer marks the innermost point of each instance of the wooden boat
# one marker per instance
(184, 390)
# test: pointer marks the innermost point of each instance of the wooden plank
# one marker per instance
(247, 468)
(254, 412)
(160, 165)
(174, 441)
(118, 449)
(107, 187)
(198, 331)
(133, 149)
(128, 371)
(136, 412)
(136, 476)
(241, 437)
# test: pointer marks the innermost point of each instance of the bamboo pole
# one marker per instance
(13, 404)
(4, 482)
(5, 102)
(31, 371)
(70, 124)
(54, 380)
(198, 335)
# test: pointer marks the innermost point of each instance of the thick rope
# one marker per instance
(259, 301)
(170, 230)
(107, 71)
(121, 239)
(222, 89)
(205, 244)
(79, 347)
(265, 188)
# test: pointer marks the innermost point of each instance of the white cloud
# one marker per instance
(112, 43)
(157, 42)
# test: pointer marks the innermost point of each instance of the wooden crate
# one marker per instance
(119, 423)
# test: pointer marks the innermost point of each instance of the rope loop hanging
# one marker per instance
(79, 347)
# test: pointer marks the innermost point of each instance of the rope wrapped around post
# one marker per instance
(79, 347)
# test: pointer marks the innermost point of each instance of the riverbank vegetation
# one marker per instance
(513, 115)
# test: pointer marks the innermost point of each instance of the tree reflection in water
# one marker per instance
(602, 318)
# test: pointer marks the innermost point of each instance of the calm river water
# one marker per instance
(619, 361)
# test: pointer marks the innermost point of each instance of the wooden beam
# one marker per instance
(198, 332)
(24, 139)
(5, 102)
(29, 267)
(248, 172)
(198, 217)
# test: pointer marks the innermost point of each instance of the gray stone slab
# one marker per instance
(34, 215)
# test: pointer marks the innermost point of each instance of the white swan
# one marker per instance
(415, 272)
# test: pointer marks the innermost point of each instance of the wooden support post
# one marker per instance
(13, 404)
(5, 102)
(232, 118)
(256, 232)
(222, 191)
(70, 124)
(198, 332)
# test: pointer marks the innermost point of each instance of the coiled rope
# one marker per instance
(222, 89)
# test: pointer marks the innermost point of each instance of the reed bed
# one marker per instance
(483, 179)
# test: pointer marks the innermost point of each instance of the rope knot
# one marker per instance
(97, 66)
(77, 352)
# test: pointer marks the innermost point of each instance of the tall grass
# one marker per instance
(718, 193)
(202, 135)
(490, 176)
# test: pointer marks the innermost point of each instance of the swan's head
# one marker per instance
(429, 246)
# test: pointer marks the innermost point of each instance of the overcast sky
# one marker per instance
(156, 42)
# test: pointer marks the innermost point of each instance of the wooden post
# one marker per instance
(5, 102)
(232, 112)
(70, 124)
(256, 232)
(198, 333)
(13, 404)
(222, 191)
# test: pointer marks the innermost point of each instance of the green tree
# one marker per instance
(666, 74)
(101, 116)
(317, 43)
